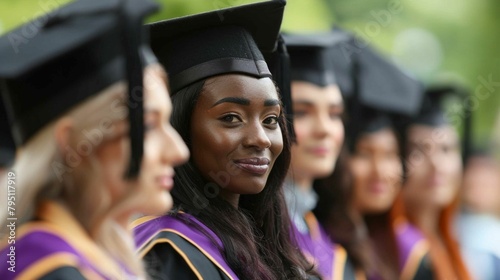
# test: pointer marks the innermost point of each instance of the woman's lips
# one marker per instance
(378, 188)
(257, 166)
(319, 151)
(165, 182)
(436, 181)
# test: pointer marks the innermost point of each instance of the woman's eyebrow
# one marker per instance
(236, 100)
(272, 102)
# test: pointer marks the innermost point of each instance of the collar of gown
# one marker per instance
(299, 202)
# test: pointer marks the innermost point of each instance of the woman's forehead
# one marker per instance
(242, 86)
(419, 134)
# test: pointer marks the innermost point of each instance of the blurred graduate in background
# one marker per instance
(92, 152)
(434, 175)
(317, 115)
(478, 225)
(375, 233)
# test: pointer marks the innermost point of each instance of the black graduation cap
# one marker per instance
(7, 147)
(365, 120)
(231, 40)
(342, 54)
(311, 57)
(371, 79)
(433, 112)
(77, 50)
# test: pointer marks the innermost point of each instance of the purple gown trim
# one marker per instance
(34, 247)
(407, 238)
(147, 231)
(319, 249)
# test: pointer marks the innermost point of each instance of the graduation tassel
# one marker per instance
(131, 32)
(279, 64)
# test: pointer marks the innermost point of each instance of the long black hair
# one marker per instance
(256, 237)
(354, 231)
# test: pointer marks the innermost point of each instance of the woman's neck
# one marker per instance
(427, 219)
(303, 183)
(124, 220)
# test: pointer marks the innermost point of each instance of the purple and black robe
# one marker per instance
(55, 246)
(180, 247)
(329, 259)
(413, 251)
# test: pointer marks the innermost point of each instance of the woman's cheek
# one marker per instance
(301, 130)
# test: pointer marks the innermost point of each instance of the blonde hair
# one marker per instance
(72, 174)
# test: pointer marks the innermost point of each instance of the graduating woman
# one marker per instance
(229, 219)
(369, 174)
(390, 248)
(86, 161)
(431, 190)
(317, 111)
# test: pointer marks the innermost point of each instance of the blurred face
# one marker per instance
(434, 166)
(163, 149)
(235, 133)
(318, 128)
(481, 187)
(376, 170)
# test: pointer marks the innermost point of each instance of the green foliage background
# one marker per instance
(455, 41)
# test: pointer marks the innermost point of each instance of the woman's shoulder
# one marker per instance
(180, 242)
(35, 251)
(408, 235)
(413, 249)
(177, 258)
(150, 230)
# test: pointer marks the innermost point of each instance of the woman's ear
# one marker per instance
(62, 134)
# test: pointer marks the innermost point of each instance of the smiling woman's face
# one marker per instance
(319, 129)
(376, 170)
(235, 133)
(434, 166)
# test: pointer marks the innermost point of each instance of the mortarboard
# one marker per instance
(243, 39)
(377, 93)
(342, 56)
(371, 79)
(365, 120)
(311, 57)
(433, 112)
(76, 51)
(232, 40)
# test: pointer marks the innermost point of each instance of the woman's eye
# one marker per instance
(230, 118)
(271, 120)
(336, 112)
(335, 115)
